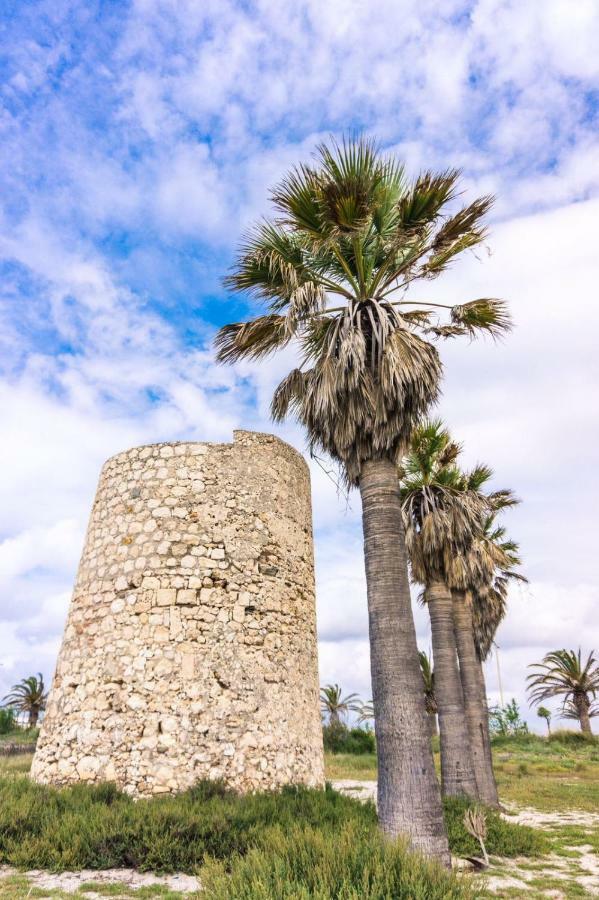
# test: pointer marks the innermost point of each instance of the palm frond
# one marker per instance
(252, 340)
(486, 315)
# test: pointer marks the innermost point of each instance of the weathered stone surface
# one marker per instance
(190, 646)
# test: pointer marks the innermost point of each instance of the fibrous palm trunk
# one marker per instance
(409, 800)
(475, 699)
(582, 706)
(33, 716)
(457, 770)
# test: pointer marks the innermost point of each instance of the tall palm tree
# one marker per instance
(563, 674)
(478, 609)
(28, 696)
(443, 509)
(335, 705)
(430, 700)
(352, 227)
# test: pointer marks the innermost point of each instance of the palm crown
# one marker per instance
(335, 705)
(443, 506)
(353, 227)
(562, 673)
(493, 563)
(28, 696)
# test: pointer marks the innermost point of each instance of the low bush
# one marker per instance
(517, 741)
(98, 828)
(340, 739)
(8, 720)
(572, 738)
(503, 838)
(354, 863)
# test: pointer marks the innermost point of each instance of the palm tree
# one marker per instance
(430, 701)
(352, 227)
(366, 712)
(478, 610)
(335, 705)
(563, 674)
(28, 696)
(544, 713)
(443, 509)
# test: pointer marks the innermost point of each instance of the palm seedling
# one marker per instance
(334, 705)
(443, 509)
(563, 674)
(353, 228)
(29, 697)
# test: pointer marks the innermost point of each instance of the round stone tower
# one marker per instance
(190, 645)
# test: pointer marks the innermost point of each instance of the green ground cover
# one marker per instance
(299, 844)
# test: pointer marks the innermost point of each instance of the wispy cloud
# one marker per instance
(138, 141)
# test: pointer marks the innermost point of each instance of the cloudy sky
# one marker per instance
(140, 138)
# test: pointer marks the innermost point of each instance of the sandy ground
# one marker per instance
(69, 882)
(516, 873)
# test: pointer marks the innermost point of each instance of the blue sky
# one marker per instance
(140, 139)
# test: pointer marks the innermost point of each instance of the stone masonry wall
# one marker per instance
(190, 646)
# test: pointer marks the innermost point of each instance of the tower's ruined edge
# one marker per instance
(190, 645)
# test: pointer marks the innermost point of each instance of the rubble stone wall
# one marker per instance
(190, 645)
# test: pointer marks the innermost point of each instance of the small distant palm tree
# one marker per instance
(366, 713)
(563, 674)
(544, 713)
(335, 705)
(28, 696)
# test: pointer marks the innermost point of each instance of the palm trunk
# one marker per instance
(409, 800)
(457, 770)
(475, 700)
(33, 717)
(583, 715)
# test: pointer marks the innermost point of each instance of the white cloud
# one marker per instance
(140, 152)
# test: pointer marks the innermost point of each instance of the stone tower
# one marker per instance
(190, 645)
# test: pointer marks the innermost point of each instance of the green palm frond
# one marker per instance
(28, 696)
(563, 673)
(351, 226)
(335, 705)
(482, 315)
(443, 507)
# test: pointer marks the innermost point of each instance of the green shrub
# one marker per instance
(524, 740)
(503, 838)
(572, 738)
(354, 863)
(8, 720)
(338, 738)
(98, 828)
